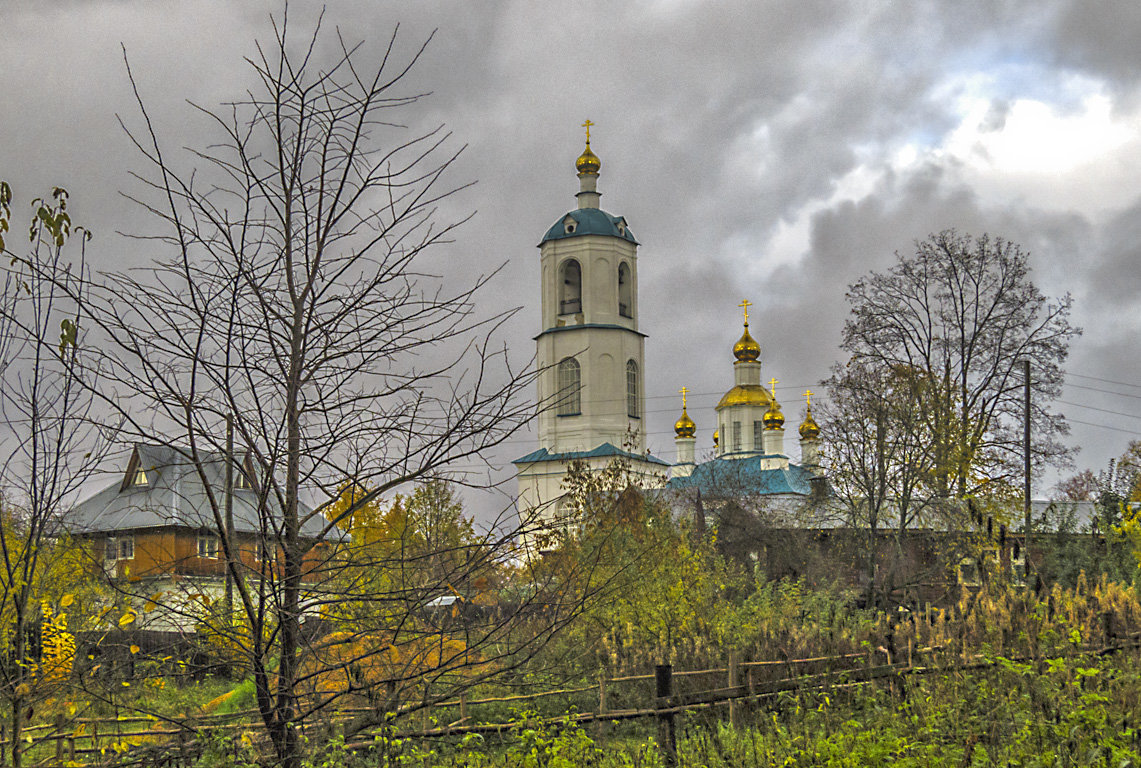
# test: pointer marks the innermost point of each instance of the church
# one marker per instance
(590, 353)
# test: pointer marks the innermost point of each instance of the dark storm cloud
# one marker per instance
(720, 125)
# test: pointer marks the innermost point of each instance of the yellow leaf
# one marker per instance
(66, 600)
(134, 649)
(126, 684)
(126, 619)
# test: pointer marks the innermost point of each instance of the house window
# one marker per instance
(110, 549)
(758, 435)
(570, 388)
(969, 572)
(241, 480)
(625, 291)
(736, 436)
(570, 288)
(140, 477)
(125, 548)
(208, 546)
(631, 389)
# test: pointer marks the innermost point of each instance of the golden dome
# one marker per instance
(774, 419)
(588, 162)
(809, 429)
(746, 394)
(684, 427)
(747, 350)
(716, 436)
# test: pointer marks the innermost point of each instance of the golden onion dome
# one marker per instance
(684, 427)
(774, 419)
(746, 394)
(588, 162)
(809, 429)
(716, 436)
(746, 350)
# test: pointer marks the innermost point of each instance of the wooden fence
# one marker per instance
(150, 741)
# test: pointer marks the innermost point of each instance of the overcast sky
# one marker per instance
(769, 151)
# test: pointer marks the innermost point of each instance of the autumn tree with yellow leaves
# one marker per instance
(47, 450)
(418, 605)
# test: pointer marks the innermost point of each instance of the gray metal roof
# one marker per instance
(174, 495)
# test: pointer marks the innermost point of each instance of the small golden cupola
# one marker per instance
(746, 350)
(774, 419)
(588, 162)
(809, 429)
(684, 427)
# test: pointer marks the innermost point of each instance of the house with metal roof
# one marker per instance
(156, 529)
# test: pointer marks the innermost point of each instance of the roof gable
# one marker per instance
(177, 493)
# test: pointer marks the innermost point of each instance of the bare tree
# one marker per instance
(880, 455)
(962, 313)
(289, 300)
(47, 448)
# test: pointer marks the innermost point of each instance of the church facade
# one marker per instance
(590, 352)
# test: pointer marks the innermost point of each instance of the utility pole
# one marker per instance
(229, 507)
(1026, 459)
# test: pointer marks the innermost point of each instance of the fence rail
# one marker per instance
(83, 737)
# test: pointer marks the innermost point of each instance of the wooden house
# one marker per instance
(156, 531)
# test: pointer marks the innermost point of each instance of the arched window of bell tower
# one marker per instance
(570, 288)
(570, 388)
(625, 291)
(632, 389)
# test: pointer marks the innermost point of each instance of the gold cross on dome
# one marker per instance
(808, 393)
(587, 125)
(683, 391)
(773, 386)
(745, 303)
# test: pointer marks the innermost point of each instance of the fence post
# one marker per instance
(58, 738)
(667, 736)
(600, 724)
(734, 681)
(463, 708)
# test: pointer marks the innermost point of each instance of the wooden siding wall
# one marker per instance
(174, 552)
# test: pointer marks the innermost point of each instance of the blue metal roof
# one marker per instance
(736, 477)
(606, 449)
(589, 221)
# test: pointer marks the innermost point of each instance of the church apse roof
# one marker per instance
(738, 477)
(604, 450)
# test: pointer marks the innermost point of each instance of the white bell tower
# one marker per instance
(589, 349)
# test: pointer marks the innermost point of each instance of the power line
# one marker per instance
(1106, 426)
(1105, 391)
(1106, 381)
(1100, 410)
